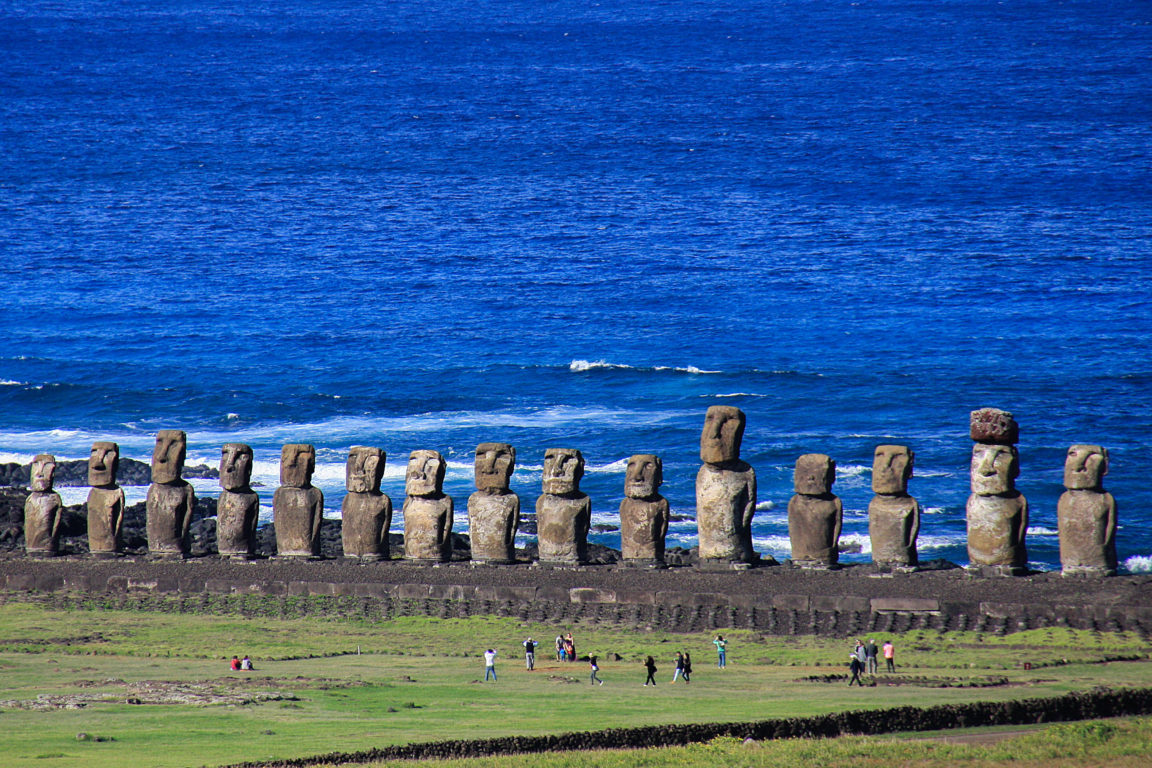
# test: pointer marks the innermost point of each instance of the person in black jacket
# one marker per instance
(650, 665)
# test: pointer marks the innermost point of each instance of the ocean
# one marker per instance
(433, 224)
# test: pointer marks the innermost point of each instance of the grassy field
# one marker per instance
(155, 688)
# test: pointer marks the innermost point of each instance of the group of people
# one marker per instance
(565, 648)
(239, 664)
(863, 660)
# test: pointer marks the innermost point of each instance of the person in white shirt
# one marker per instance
(489, 664)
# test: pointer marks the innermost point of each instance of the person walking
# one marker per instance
(858, 651)
(530, 654)
(855, 666)
(870, 657)
(595, 668)
(889, 655)
(650, 665)
(687, 667)
(721, 651)
(679, 666)
(490, 665)
(559, 647)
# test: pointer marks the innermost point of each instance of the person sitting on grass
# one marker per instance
(235, 663)
(246, 663)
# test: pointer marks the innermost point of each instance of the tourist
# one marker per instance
(490, 665)
(235, 663)
(650, 665)
(530, 654)
(856, 666)
(679, 666)
(687, 667)
(870, 657)
(858, 651)
(595, 668)
(246, 663)
(560, 654)
(570, 647)
(721, 651)
(889, 655)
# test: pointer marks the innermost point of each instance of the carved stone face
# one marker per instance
(495, 463)
(994, 469)
(563, 468)
(43, 472)
(425, 475)
(644, 476)
(1085, 467)
(297, 463)
(103, 463)
(168, 455)
(723, 431)
(235, 467)
(891, 468)
(365, 469)
(815, 474)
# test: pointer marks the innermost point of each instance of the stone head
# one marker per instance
(994, 468)
(992, 425)
(103, 463)
(495, 463)
(297, 463)
(43, 472)
(365, 469)
(563, 468)
(425, 475)
(168, 455)
(1085, 467)
(723, 431)
(235, 467)
(644, 476)
(891, 468)
(815, 474)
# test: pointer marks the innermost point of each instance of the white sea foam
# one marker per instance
(582, 366)
(1038, 530)
(735, 394)
(1138, 564)
(614, 468)
(764, 506)
(10, 383)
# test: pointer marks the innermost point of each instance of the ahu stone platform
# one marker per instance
(780, 600)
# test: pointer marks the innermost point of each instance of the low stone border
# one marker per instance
(1073, 706)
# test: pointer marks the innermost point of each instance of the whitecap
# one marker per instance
(614, 467)
(1138, 564)
(579, 366)
(764, 506)
(10, 383)
(1039, 530)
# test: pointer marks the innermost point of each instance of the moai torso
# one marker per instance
(725, 491)
(297, 505)
(1086, 515)
(997, 513)
(105, 500)
(366, 513)
(427, 509)
(238, 507)
(563, 512)
(643, 512)
(893, 515)
(170, 499)
(815, 514)
(493, 510)
(42, 510)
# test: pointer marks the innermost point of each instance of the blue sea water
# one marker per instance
(432, 224)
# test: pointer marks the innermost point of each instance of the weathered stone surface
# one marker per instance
(997, 513)
(643, 512)
(722, 434)
(42, 510)
(993, 426)
(105, 500)
(893, 515)
(238, 507)
(171, 500)
(427, 510)
(815, 514)
(563, 512)
(493, 510)
(103, 464)
(297, 506)
(1086, 515)
(725, 491)
(366, 513)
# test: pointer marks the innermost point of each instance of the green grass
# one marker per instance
(419, 679)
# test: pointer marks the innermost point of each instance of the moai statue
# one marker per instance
(893, 515)
(42, 510)
(1086, 515)
(725, 493)
(493, 510)
(297, 505)
(238, 508)
(997, 512)
(427, 510)
(366, 513)
(643, 513)
(815, 514)
(170, 499)
(563, 512)
(105, 501)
